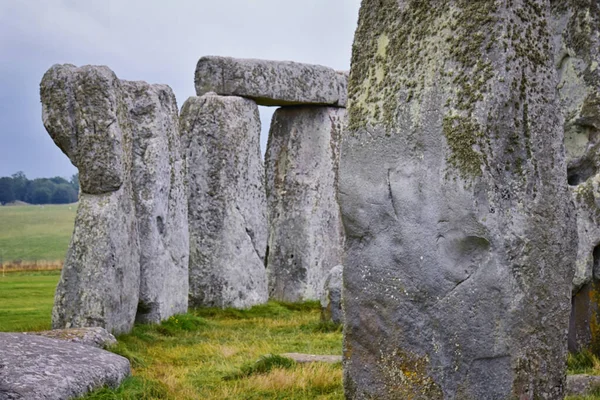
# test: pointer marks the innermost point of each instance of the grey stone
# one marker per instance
(582, 385)
(331, 299)
(227, 204)
(461, 236)
(84, 111)
(271, 83)
(158, 176)
(305, 231)
(311, 358)
(39, 368)
(97, 337)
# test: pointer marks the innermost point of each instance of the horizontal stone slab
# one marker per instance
(272, 83)
(40, 368)
(312, 358)
(94, 336)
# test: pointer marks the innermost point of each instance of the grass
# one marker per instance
(35, 233)
(230, 354)
(26, 300)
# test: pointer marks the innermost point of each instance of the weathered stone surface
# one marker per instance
(227, 204)
(582, 385)
(271, 83)
(305, 231)
(576, 56)
(158, 176)
(39, 368)
(331, 298)
(461, 237)
(311, 358)
(97, 337)
(84, 111)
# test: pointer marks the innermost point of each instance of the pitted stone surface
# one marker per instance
(305, 230)
(271, 83)
(331, 298)
(39, 368)
(158, 176)
(97, 337)
(227, 204)
(582, 385)
(84, 111)
(461, 236)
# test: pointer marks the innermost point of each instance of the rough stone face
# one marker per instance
(461, 237)
(582, 385)
(271, 83)
(576, 56)
(39, 368)
(331, 299)
(227, 204)
(158, 176)
(305, 231)
(84, 111)
(97, 337)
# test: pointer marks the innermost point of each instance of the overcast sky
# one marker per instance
(151, 40)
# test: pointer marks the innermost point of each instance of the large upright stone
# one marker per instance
(87, 117)
(305, 230)
(461, 236)
(227, 204)
(158, 176)
(576, 55)
(271, 83)
(129, 251)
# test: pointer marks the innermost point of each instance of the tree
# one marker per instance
(75, 182)
(19, 184)
(63, 194)
(6, 190)
(41, 195)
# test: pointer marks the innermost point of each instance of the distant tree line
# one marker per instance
(55, 190)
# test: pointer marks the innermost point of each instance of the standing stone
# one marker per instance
(576, 55)
(158, 175)
(305, 231)
(85, 114)
(331, 299)
(271, 83)
(461, 237)
(227, 204)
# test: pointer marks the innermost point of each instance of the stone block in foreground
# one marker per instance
(461, 235)
(40, 368)
(227, 201)
(271, 83)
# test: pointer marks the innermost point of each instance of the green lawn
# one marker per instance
(35, 233)
(26, 300)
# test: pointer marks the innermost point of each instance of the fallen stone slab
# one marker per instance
(40, 368)
(95, 336)
(581, 385)
(272, 83)
(311, 358)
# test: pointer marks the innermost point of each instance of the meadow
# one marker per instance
(206, 353)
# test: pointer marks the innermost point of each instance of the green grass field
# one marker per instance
(35, 233)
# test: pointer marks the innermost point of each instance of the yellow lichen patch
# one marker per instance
(407, 376)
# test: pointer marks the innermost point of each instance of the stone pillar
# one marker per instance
(129, 251)
(305, 231)
(87, 117)
(227, 203)
(461, 237)
(158, 176)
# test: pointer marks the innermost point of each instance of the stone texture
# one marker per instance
(305, 231)
(227, 204)
(85, 114)
(96, 337)
(158, 176)
(461, 237)
(39, 368)
(129, 251)
(331, 298)
(576, 55)
(582, 385)
(310, 358)
(271, 83)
